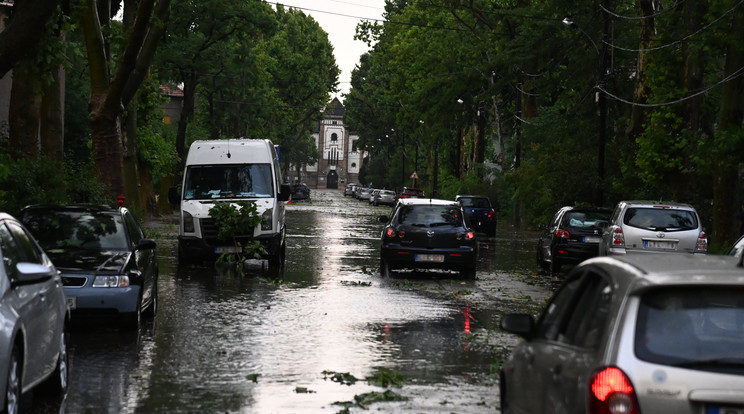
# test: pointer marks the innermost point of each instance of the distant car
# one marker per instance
(571, 237)
(34, 316)
(300, 192)
(364, 194)
(109, 268)
(481, 213)
(386, 197)
(349, 190)
(428, 234)
(651, 227)
(651, 333)
(410, 192)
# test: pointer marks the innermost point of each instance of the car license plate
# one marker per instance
(437, 258)
(655, 244)
(591, 239)
(71, 302)
(724, 410)
(227, 249)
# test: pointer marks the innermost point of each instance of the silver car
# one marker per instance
(33, 318)
(651, 227)
(386, 197)
(633, 334)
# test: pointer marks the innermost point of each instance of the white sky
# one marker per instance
(339, 19)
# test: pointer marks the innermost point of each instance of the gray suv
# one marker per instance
(651, 227)
(633, 334)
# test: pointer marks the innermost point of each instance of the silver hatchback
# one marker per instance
(633, 334)
(651, 227)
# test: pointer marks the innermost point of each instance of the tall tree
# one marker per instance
(110, 94)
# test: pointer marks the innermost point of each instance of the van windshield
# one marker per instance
(228, 181)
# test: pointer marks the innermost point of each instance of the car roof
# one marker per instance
(93, 208)
(586, 208)
(427, 201)
(651, 203)
(645, 271)
(469, 196)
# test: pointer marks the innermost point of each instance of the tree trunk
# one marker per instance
(730, 120)
(108, 152)
(24, 114)
(638, 113)
(53, 118)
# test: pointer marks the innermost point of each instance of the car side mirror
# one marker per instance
(518, 323)
(30, 273)
(285, 191)
(146, 244)
(174, 196)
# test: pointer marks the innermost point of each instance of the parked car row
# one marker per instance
(61, 263)
(633, 227)
(654, 324)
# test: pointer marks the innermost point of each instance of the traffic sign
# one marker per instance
(414, 176)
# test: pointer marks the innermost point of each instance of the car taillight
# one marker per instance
(612, 393)
(563, 234)
(491, 213)
(390, 233)
(469, 235)
(617, 237)
(702, 242)
(401, 234)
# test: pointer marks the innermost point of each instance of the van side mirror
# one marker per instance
(174, 196)
(284, 192)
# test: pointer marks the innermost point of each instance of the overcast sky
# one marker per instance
(339, 19)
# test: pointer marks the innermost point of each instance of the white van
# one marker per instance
(230, 170)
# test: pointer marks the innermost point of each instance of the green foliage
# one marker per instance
(233, 219)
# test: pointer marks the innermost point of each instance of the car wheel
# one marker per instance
(132, 320)
(468, 272)
(152, 310)
(502, 392)
(555, 265)
(541, 262)
(57, 383)
(13, 383)
(385, 270)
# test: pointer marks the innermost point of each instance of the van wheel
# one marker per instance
(278, 258)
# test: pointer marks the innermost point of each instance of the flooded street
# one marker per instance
(326, 335)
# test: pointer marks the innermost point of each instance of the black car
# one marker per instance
(481, 213)
(300, 192)
(108, 267)
(428, 234)
(571, 237)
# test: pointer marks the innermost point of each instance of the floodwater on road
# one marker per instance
(325, 335)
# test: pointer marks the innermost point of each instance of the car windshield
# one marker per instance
(586, 219)
(227, 181)
(430, 216)
(698, 328)
(475, 202)
(661, 219)
(65, 230)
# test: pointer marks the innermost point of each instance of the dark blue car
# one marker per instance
(481, 213)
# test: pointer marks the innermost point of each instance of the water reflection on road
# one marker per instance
(296, 342)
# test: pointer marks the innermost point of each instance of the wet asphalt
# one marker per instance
(325, 334)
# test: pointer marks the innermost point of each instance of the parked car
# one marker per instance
(349, 190)
(426, 234)
(364, 194)
(373, 195)
(386, 197)
(481, 213)
(410, 192)
(737, 249)
(34, 315)
(648, 333)
(108, 266)
(300, 192)
(651, 227)
(571, 237)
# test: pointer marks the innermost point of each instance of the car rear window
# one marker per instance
(587, 219)
(697, 328)
(430, 216)
(661, 219)
(473, 202)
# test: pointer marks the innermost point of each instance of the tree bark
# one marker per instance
(22, 32)
(52, 128)
(24, 114)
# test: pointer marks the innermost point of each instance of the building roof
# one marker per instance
(335, 109)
